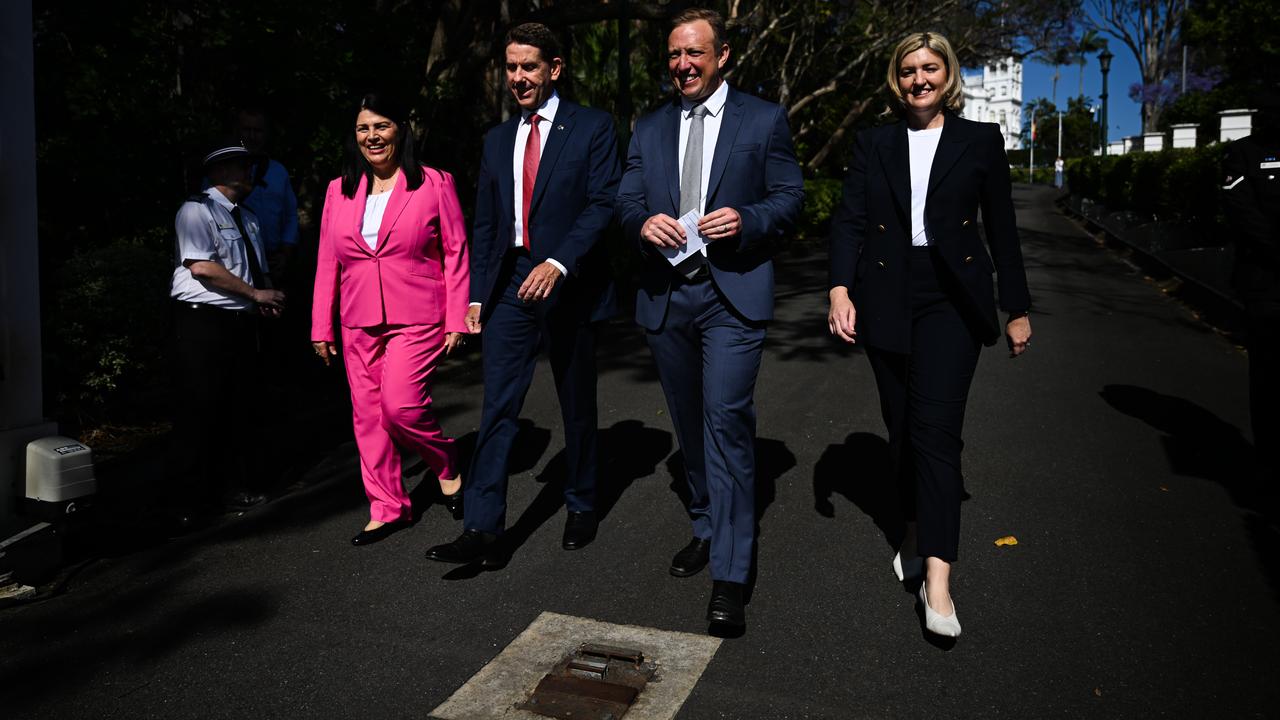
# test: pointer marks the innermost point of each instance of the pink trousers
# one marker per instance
(389, 369)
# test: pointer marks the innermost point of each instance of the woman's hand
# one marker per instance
(842, 315)
(453, 341)
(325, 350)
(1018, 335)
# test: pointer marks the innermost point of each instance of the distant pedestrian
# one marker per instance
(219, 287)
(392, 267)
(1059, 166)
(911, 281)
(1251, 199)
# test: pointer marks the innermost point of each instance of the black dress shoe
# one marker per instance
(382, 532)
(579, 530)
(691, 558)
(727, 606)
(471, 546)
(453, 503)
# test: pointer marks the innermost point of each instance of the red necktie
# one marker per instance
(532, 152)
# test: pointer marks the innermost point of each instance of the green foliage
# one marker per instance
(821, 197)
(1079, 133)
(105, 329)
(1175, 185)
(1043, 174)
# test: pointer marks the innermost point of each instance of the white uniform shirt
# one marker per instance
(710, 132)
(923, 144)
(546, 118)
(205, 234)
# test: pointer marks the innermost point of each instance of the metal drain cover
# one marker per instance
(594, 682)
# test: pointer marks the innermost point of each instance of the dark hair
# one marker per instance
(536, 35)
(712, 18)
(354, 166)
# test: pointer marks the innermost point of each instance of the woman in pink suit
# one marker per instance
(393, 263)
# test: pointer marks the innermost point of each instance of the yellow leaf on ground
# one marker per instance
(1007, 540)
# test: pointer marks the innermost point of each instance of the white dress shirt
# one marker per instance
(546, 117)
(710, 131)
(922, 144)
(211, 234)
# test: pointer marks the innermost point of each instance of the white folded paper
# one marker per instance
(694, 242)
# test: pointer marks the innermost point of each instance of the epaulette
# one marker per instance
(197, 197)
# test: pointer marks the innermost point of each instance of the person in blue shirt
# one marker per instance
(272, 199)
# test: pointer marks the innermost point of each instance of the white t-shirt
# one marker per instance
(922, 144)
(374, 207)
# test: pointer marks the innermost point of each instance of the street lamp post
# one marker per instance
(1104, 63)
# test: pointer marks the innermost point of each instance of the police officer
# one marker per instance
(219, 288)
(1251, 199)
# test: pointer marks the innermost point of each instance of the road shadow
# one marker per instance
(859, 470)
(627, 451)
(1199, 444)
(133, 624)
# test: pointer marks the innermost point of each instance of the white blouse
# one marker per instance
(374, 207)
(923, 144)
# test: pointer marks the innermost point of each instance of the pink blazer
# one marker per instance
(417, 275)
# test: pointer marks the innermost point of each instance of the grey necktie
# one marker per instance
(691, 181)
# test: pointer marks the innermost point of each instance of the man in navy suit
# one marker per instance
(722, 161)
(548, 179)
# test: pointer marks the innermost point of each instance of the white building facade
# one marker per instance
(995, 95)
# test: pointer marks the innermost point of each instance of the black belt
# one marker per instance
(205, 307)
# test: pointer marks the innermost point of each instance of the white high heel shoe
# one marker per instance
(947, 626)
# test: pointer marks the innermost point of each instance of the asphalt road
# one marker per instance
(1144, 582)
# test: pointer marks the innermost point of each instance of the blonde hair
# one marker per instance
(952, 92)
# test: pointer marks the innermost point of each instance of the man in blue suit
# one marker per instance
(722, 161)
(548, 179)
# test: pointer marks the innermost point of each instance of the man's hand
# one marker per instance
(663, 230)
(842, 317)
(720, 224)
(267, 298)
(472, 319)
(541, 281)
(325, 349)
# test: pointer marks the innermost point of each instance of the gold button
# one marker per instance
(880, 228)
(968, 258)
(964, 224)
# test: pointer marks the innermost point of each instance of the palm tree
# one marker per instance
(1057, 57)
(1090, 42)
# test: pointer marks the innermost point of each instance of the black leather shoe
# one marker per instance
(382, 532)
(453, 503)
(727, 606)
(691, 558)
(579, 530)
(471, 546)
(242, 499)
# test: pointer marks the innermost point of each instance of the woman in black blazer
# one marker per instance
(911, 281)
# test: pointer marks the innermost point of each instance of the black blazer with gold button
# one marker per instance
(870, 237)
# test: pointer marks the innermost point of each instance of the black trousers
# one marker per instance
(215, 403)
(922, 397)
(513, 335)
